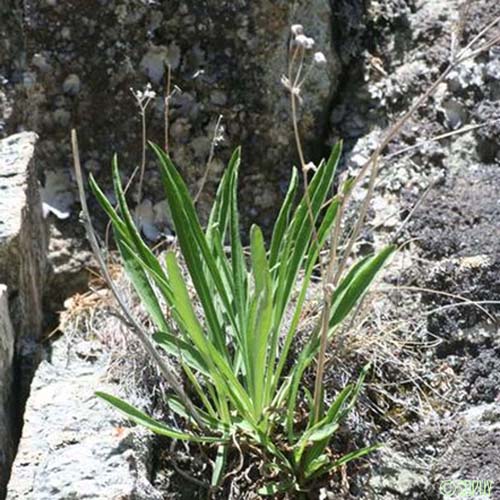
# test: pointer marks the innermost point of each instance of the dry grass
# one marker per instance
(93, 316)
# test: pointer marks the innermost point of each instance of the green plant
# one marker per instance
(232, 322)
(235, 351)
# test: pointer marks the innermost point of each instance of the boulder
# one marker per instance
(227, 58)
(23, 239)
(22, 270)
(73, 444)
(6, 375)
(472, 454)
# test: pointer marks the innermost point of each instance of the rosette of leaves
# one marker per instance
(236, 354)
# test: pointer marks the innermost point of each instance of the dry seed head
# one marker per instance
(297, 29)
(304, 41)
(310, 166)
(319, 58)
(144, 96)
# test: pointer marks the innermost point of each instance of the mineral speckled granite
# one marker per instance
(22, 270)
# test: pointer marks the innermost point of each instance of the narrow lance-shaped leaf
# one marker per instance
(260, 330)
(311, 261)
(221, 372)
(141, 284)
(299, 233)
(345, 299)
(195, 250)
(237, 256)
(282, 221)
(150, 423)
(134, 238)
(219, 215)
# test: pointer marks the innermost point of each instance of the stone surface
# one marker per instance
(227, 57)
(22, 236)
(22, 269)
(73, 445)
(11, 59)
(6, 377)
(69, 261)
(473, 451)
(399, 476)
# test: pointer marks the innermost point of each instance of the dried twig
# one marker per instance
(166, 102)
(213, 143)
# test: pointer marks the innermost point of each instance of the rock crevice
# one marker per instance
(23, 246)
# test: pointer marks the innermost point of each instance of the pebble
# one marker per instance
(72, 85)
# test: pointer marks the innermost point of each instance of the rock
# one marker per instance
(488, 146)
(72, 85)
(473, 452)
(154, 62)
(73, 444)
(23, 239)
(68, 262)
(399, 476)
(22, 269)
(57, 197)
(6, 377)
(227, 56)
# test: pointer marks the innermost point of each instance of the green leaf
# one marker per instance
(237, 256)
(312, 257)
(177, 406)
(260, 321)
(183, 305)
(283, 219)
(175, 346)
(334, 412)
(140, 281)
(219, 465)
(107, 207)
(319, 434)
(316, 464)
(356, 284)
(323, 432)
(349, 457)
(221, 374)
(157, 427)
(195, 249)
(219, 215)
(276, 488)
(133, 235)
(299, 240)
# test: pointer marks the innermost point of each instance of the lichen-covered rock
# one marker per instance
(399, 476)
(227, 58)
(73, 444)
(473, 451)
(6, 376)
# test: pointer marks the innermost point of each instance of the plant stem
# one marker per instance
(293, 85)
(166, 103)
(143, 154)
